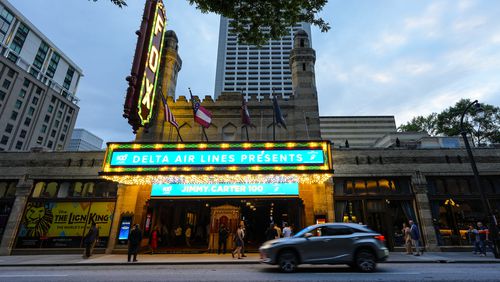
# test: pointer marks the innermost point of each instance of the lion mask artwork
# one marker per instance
(37, 220)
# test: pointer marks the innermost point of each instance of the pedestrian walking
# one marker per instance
(278, 231)
(473, 236)
(287, 231)
(243, 236)
(90, 240)
(223, 234)
(134, 241)
(239, 242)
(187, 234)
(415, 237)
(153, 239)
(407, 239)
(483, 238)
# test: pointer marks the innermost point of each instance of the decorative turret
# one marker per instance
(302, 59)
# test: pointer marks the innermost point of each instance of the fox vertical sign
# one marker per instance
(146, 66)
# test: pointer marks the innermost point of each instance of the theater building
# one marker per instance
(49, 199)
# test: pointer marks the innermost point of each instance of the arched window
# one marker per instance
(64, 190)
(77, 189)
(39, 187)
(50, 190)
(88, 189)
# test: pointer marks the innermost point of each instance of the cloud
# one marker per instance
(389, 42)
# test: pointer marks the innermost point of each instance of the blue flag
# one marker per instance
(277, 113)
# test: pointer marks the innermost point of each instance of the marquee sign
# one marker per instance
(225, 189)
(234, 157)
(146, 65)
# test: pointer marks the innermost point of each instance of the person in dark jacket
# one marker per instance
(134, 241)
(415, 237)
(271, 232)
(90, 240)
(223, 234)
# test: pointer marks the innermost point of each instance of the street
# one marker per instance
(386, 272)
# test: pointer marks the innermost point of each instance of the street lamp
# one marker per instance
(492, 219)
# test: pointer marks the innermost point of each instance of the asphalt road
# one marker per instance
(386, 272)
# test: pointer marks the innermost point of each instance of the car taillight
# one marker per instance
(380, 238)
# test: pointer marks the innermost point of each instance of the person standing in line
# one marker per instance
(239, 242)
(134, 241)
(153, 239)
(188, 235)
(178, 235)
(271, 232)
(483, 237)
(407, 239)
(278, 231)
(473, 236)
(287, 232)
(415, 237)
(243, 236)
(90, 240)
(223, 234)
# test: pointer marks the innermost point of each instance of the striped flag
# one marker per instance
(168, 114)
(201, 115)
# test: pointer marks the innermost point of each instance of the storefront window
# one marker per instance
(88, 189)
(38, 189)
(50, 190)
(63, 190)
(77, 189)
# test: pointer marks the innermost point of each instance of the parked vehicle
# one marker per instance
(330, 243)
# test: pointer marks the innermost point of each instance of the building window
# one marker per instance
(26, 82)
(34, 101)
(67, 119)
(41, 55)
(53, 133)
(13, 116)
(65, 128)
(9, 128)
(38, 90)
(31, 111)
(5, 20)
(27, 121)
(4, 140)
(59, 114)
(50, 109)
(22, 134)
(68, 78)
(19, 145)
(19, 38)
(62, 137)
(6, 84)
(43, 129)
(11, 73)
(22, 93)
(2, 95)
(49, 144)
(39, 140)
(18, 104)
(46, 119)
(53, 100)
(56, 124)
(54, 61)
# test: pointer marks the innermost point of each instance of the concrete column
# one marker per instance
(126, 198)
(419, 184)
(23, 190)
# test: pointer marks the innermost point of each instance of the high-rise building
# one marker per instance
(38, 82)
(356, 131)
(83, 140)
(254, 70)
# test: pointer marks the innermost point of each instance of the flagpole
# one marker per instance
(274, 119)
(246, 129)
(194, 114)
(179, 134)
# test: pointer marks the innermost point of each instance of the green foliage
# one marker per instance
(484, 126)
(256, 22)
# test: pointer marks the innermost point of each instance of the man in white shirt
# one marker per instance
(287, 231)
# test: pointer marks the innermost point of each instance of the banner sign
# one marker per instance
(122, 158)
(63, 224)
(225, 189)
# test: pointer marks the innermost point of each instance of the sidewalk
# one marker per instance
(193, 259)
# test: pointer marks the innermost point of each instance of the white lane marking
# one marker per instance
(33, 275)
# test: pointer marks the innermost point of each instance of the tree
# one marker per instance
(421, 123)
(484, 127)
(256, 22)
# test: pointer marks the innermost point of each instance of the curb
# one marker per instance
(223, 263)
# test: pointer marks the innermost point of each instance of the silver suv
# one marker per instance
(330, 243)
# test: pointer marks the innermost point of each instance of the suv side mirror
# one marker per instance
(308, 235)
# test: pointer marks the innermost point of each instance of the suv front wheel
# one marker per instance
(365, 261)
(288, 261)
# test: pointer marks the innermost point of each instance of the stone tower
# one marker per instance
(171, 65)
(302, 59)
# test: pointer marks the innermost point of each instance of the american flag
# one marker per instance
(201, 115)
(169, 116)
